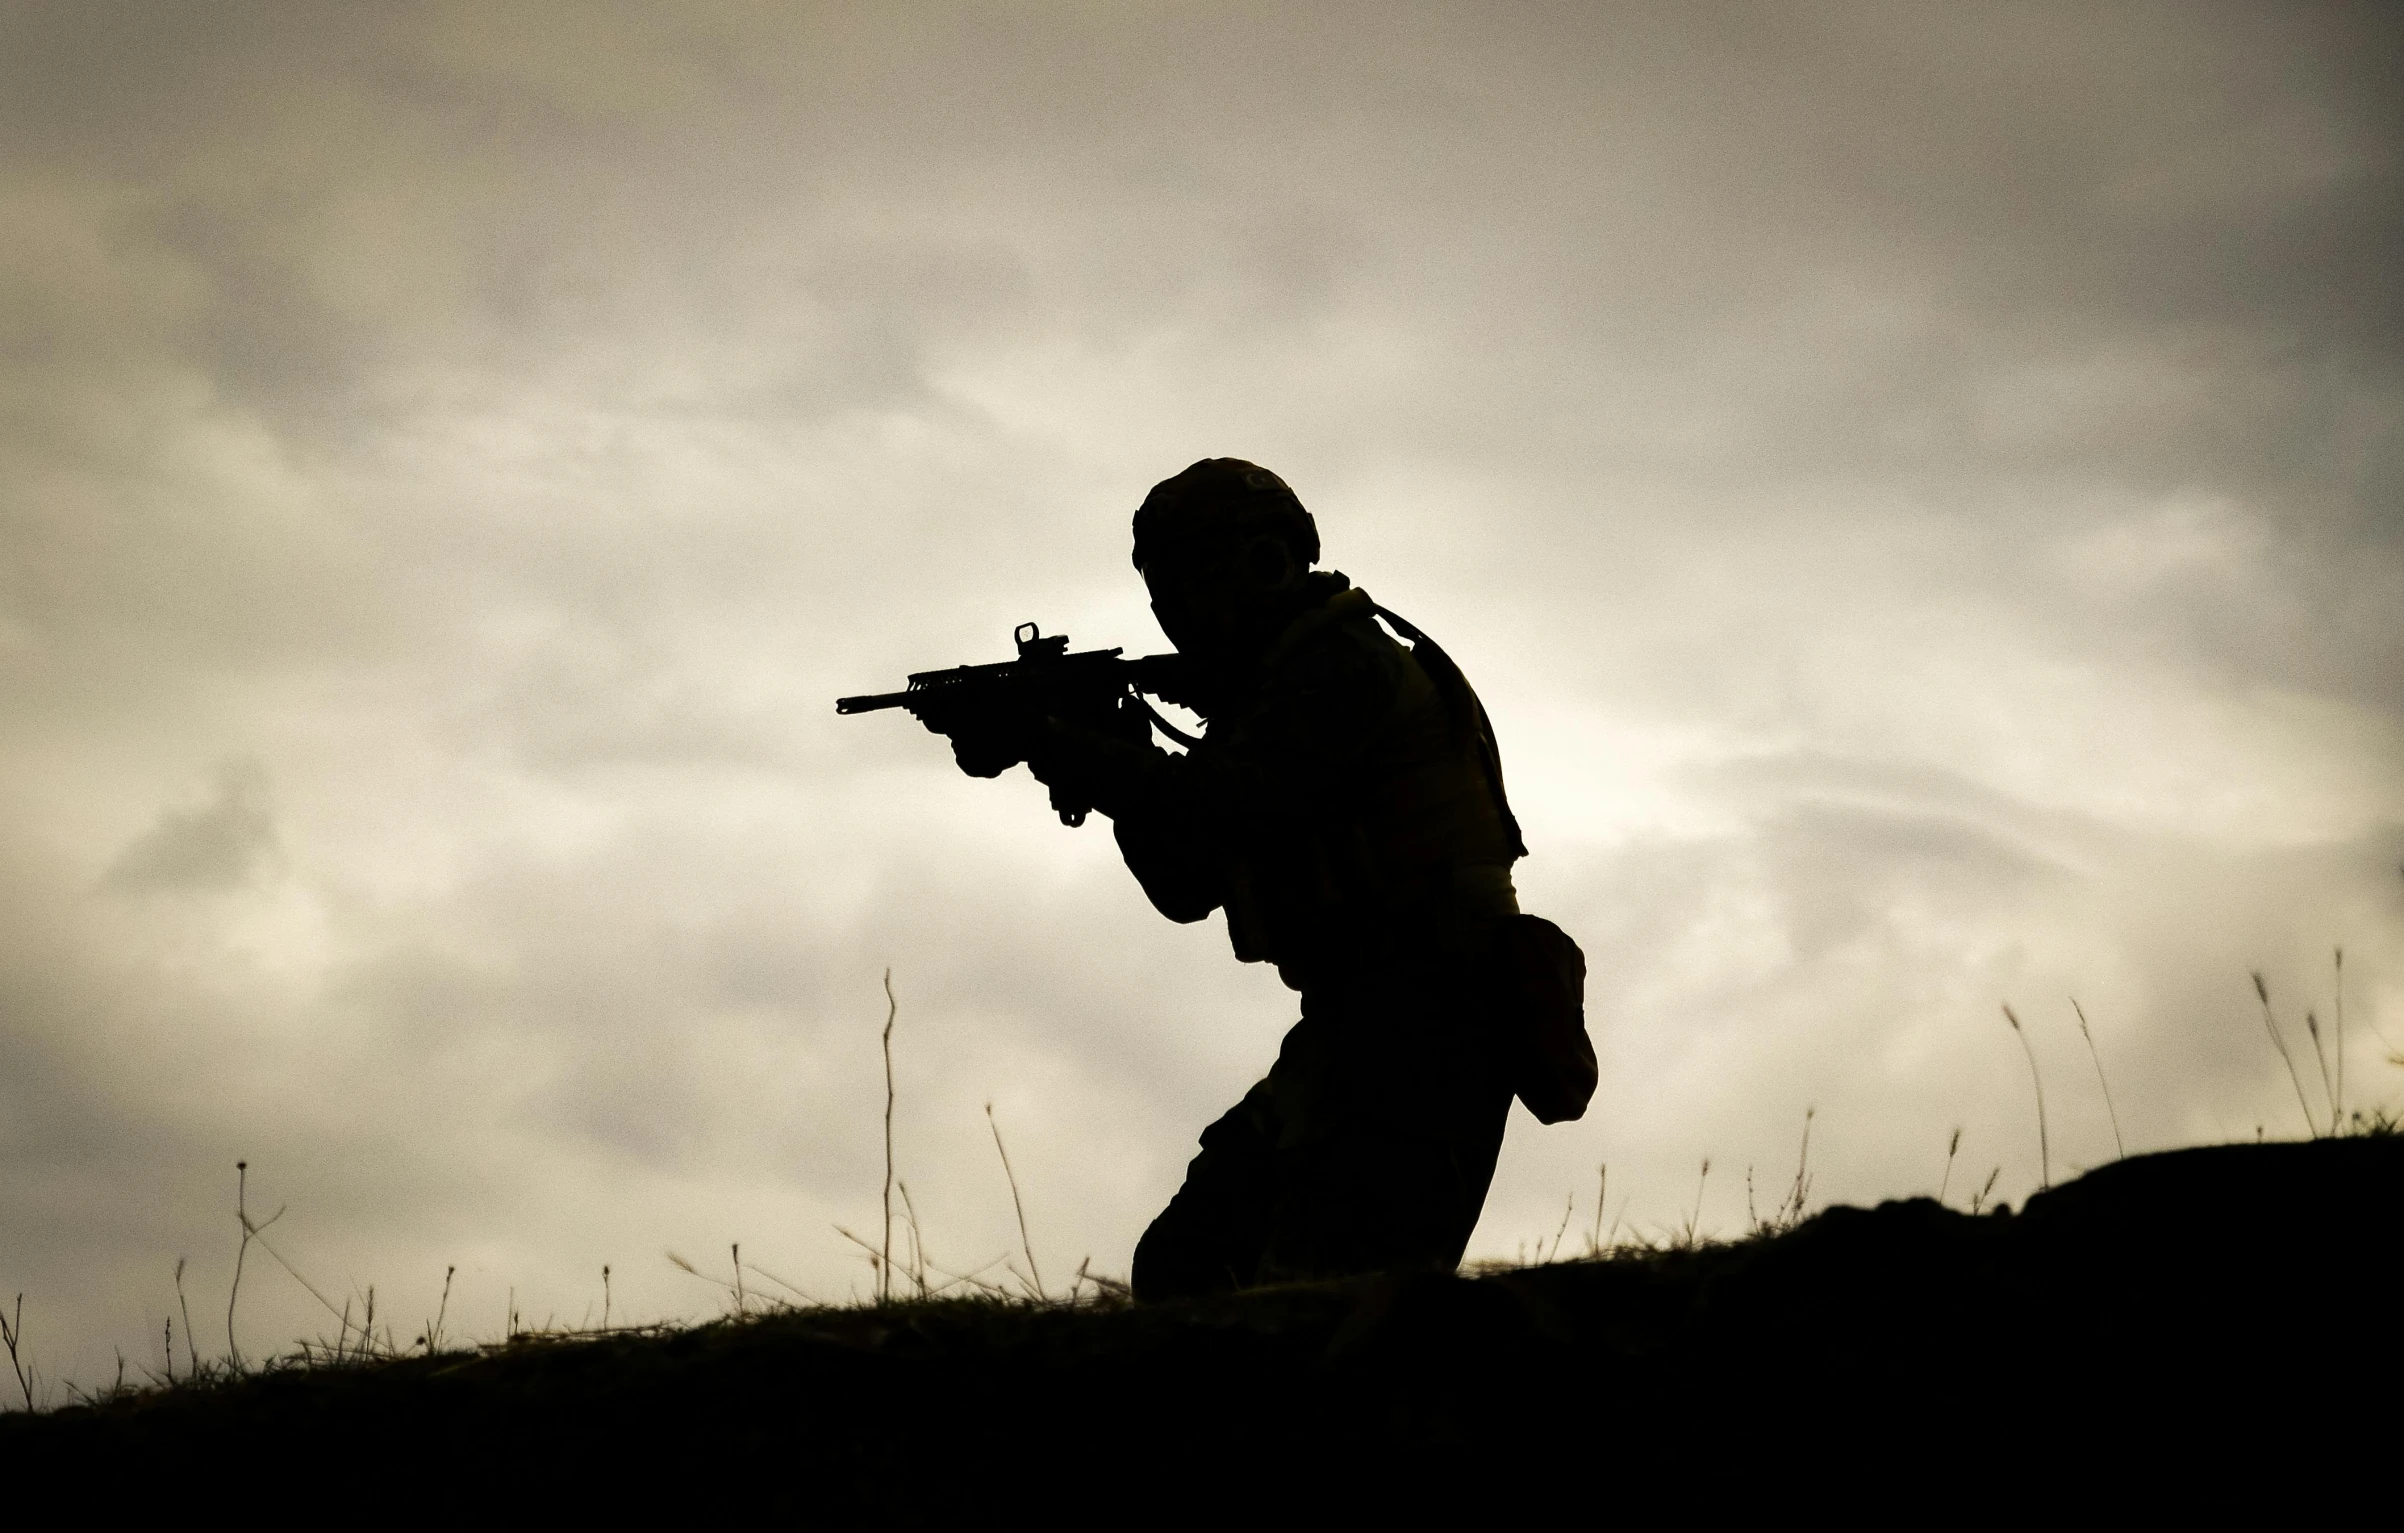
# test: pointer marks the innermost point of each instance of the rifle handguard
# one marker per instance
(1091, 688)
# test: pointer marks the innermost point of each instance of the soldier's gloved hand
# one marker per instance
(1086, 766)
(984, 754)
(988, 738)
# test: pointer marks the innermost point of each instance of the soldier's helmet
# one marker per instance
(1218, 499)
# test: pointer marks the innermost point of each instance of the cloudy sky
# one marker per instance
(1919, 488)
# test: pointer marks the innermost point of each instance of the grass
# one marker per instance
(359, 1345)
(884, 1268)
(2036, 1079)
(843, 1388)
(2338, 1110)
(2119, 1145)
(917, 1279)
(2271, 1024)
(1582, 1381)
(1017, 1205)
(12, 1330)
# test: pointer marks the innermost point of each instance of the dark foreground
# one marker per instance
(2201, 1325)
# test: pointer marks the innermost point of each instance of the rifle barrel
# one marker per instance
(871, 702)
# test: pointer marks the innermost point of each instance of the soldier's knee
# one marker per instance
(1181, 1258)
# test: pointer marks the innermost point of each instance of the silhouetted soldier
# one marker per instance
(1346, 811)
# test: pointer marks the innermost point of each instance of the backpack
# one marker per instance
(1538, 979)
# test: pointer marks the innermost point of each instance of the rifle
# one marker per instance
(1096, 689)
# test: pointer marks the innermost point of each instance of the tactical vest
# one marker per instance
(1414, 845)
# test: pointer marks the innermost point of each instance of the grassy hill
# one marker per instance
(2190, 1323)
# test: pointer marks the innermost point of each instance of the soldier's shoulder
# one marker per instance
(1343, 679)
(1341, 641)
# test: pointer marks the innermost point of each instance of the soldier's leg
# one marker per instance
(1209, 1239)
(1381, 1199)
(1387, 1168)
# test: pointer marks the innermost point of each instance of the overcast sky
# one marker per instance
(1921, 489)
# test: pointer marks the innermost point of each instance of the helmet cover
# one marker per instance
(1222, 498)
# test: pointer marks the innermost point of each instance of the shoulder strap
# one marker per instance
(1468, 715)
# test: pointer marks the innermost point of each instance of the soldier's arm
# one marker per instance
(1279, 759)
(1175, 867)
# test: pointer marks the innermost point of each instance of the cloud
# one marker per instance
(220, 846)
(1916, 490)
